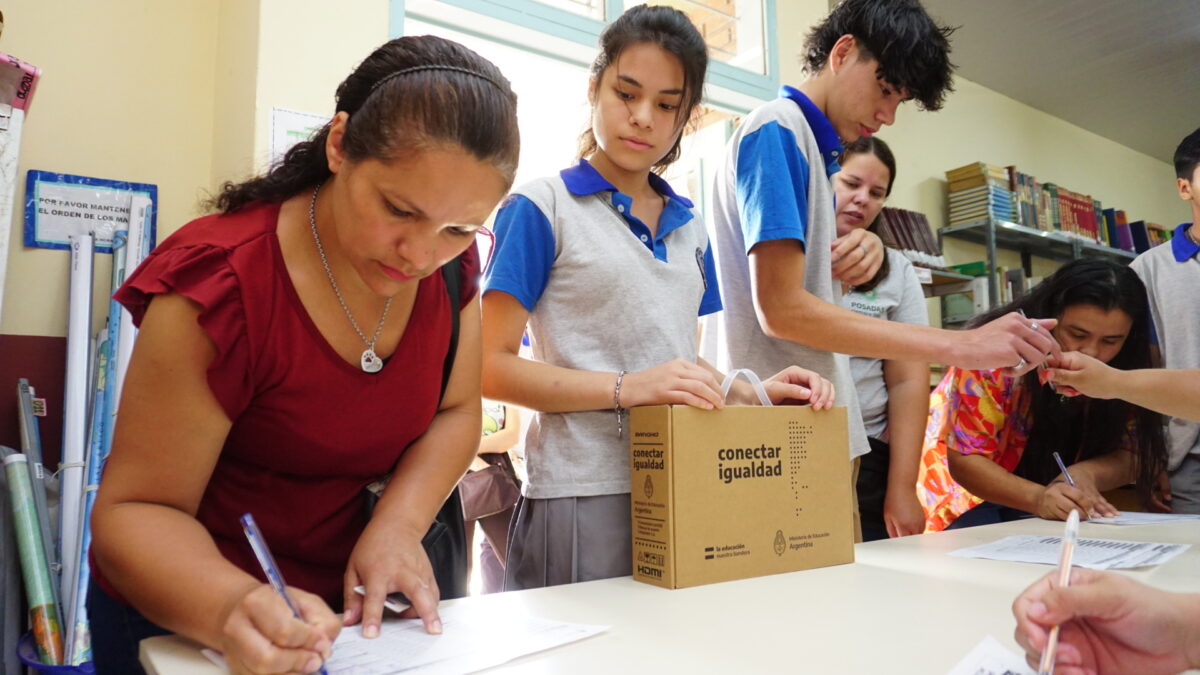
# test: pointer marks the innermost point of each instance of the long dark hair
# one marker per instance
(1080, 428)
(674, 32)
(448, 94)
(875, 146)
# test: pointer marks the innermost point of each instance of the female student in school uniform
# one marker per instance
(290, 353)
(990, 439)
(893, 395)
(610, 270)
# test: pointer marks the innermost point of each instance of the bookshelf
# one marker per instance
(993, 233)
(936, 283)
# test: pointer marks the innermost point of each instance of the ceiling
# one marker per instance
(1128, 70)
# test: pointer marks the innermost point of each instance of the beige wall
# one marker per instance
(793, 19)
(177, 94)
(236, 87)
(126, 93)
(306, 48)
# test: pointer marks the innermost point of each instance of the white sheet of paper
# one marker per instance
(1137, 518)
(989, 657)
(1098, 554)
(472, 640)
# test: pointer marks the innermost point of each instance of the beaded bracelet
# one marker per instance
(617, 401)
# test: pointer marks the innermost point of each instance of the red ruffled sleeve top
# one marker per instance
(310, 430)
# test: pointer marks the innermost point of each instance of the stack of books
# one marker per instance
(910, 233)
(979, 191)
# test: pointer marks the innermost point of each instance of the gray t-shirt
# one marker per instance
(603, 301)
(773, 185)
(1173, 287)
(897, 298)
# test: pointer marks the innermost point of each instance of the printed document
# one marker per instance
(1097, 554)
(473, 638)
(1136, 518)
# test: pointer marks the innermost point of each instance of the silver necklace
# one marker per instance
(369, 361)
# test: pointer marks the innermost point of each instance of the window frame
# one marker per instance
(581, 30)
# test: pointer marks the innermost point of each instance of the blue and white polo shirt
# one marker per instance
(774, 184)
(604, 293)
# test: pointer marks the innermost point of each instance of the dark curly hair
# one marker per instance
(1080, 427)
(674, 32)
(912, 49)
(392, 114)
(1187, 156)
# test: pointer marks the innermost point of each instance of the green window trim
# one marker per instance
(586, 31)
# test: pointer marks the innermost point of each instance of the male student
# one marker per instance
(773, 212)
(1172, 277)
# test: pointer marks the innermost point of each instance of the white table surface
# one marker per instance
(903, 606)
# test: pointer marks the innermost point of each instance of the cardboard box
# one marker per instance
(740, 492)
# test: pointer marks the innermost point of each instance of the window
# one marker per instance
(548, 68)
(733, 29)
(742, 70)
(592, 9)
(552, 104)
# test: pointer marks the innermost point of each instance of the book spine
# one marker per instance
(1110, 226)
(1123, 234)
(1052, 207)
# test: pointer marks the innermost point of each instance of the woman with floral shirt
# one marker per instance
(990, 440)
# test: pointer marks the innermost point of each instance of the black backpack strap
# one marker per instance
(446, 540)
(452, 274)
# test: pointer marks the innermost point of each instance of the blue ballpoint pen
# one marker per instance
(1067, 474)
(1070, 480)
(270, 569)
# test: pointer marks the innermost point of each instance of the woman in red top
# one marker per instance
(290, 353)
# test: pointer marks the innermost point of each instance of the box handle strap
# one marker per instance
(751, 378)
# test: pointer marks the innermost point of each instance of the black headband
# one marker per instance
(413, 69)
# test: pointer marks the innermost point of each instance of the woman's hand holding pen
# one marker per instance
(261, 635)
(676, 382)
(1011, 341)
(1109, 624)
(387, 558)
(1059, 497)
